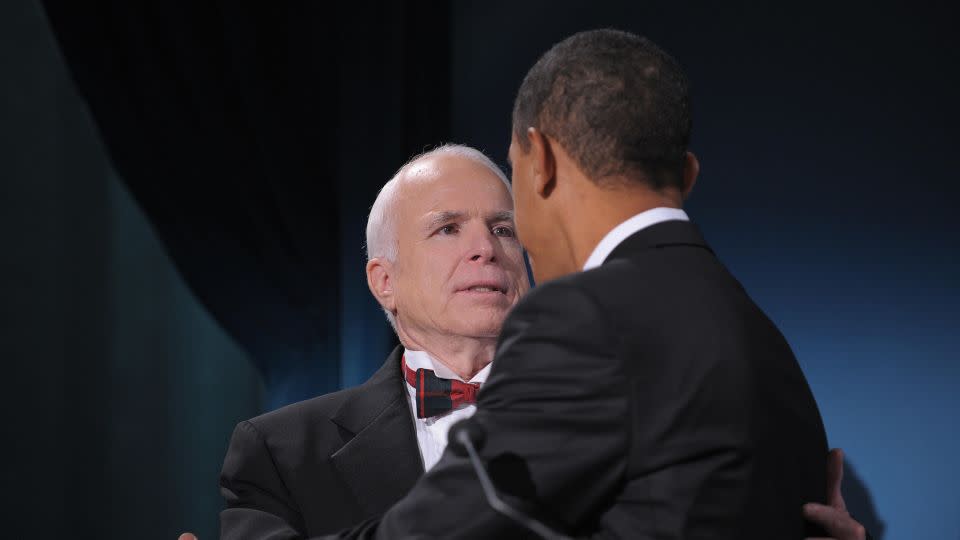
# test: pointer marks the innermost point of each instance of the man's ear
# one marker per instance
(691, 168)
(543, 161)
(379, 273)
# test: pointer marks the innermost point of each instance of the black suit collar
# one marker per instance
(382, 461)
(659, 235)
(369, 399)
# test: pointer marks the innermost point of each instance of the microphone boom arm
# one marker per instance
(494, 499)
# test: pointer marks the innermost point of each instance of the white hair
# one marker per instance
(381, 225)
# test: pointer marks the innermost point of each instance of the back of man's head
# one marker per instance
(615, 101)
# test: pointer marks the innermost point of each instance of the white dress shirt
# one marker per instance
(622, 231)
(432, 432)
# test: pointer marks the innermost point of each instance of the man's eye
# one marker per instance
(447, 229)
(503, 231)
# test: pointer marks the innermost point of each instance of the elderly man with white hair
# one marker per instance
(445, 264)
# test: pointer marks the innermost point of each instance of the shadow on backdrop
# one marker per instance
(860, 501)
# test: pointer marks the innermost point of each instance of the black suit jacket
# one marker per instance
(646, 398)
(324, 464)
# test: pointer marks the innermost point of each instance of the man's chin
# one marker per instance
(483, 327)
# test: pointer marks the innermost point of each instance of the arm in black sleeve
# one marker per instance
(258, 503)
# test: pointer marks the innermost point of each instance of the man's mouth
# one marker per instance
(486, 289)
(492, 286)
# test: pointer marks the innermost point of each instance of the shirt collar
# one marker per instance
(624, 230)
(422, 360)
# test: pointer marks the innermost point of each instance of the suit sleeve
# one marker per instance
(555, 414)
(258, 503)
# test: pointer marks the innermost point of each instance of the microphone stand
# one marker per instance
(463, 438)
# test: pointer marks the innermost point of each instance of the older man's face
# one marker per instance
(459, 267)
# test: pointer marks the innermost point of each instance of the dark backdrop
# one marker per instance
(185, 189)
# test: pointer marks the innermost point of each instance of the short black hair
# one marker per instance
(616, 102)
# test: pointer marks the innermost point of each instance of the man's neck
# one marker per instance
(463, 355)
(601, 213)
(598, 212)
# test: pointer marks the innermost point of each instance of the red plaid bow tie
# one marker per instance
(436, 396)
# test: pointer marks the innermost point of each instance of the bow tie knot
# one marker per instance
(464, 392)
(436, 396)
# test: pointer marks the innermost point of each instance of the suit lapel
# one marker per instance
(382, 461)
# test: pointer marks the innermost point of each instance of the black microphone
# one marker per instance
(464, 439)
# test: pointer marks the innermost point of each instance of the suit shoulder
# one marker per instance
(302, 415)
(613, 272)
(599, 297)
(585, 286)
(565, 291)
(560, 307)
(650, 273)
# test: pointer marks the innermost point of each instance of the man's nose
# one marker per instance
(482, 247)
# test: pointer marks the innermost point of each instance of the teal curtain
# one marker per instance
(120, 391)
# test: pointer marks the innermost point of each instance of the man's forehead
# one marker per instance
(448, 168)
(436, 188)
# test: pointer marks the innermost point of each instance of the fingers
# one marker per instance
(835, 479)
(837, 523)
